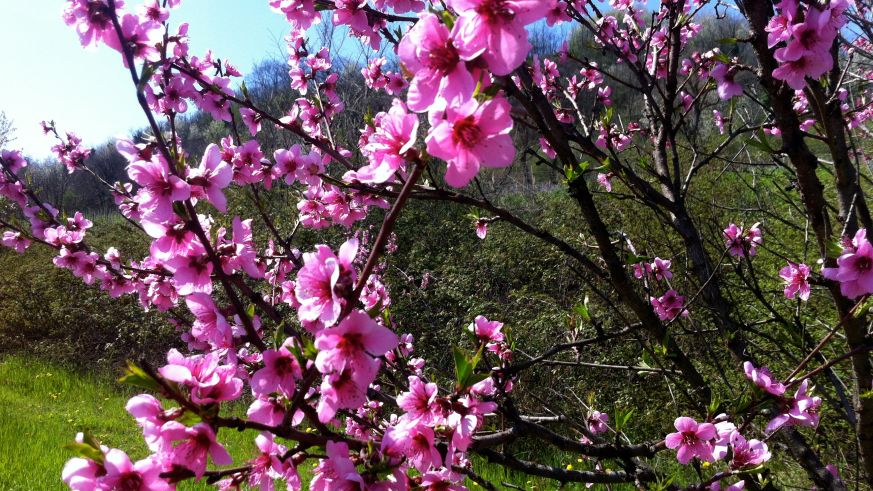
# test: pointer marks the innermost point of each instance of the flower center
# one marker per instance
(495, 11)
(466, 132)
(444, 58)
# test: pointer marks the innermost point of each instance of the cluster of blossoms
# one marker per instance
(456, 67)
(720, 439)
(807, 38)
(742, 242)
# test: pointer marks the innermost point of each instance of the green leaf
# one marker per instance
(136, 376)
(85, 451)
(865, 307)
(727, 41)
(622, 417)
(189, 419)
(462, 366)
(244, 90)
(582, 310)
(448, 19)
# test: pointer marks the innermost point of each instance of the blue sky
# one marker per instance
(48, 75)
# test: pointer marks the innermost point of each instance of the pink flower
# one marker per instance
(191, 273)
(470, 136)
(724, 78)
(597, 422)
(191, 447)
(209, 382)
(800, 410)
(691, 439)
(763, 379)
(324, 281)
(796, 280)
(91, 18)
(337, 471)
(213, 175)
(747, 453)
(605, 180)
(160, 188)
(486, 331)
(481, 228)
(251, 119)
(419, 402)
(437, 59)
(660, 268)
(81, 474)
(414, 441)
(386, 148)
(500, 24)
(15, 241)
(669, 305)
(854, 270)
(353, 344)
(718, 119)
(138, 37)
(278, 375)
(742, 242)
(122, 474)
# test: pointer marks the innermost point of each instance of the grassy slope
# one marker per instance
(42, 406)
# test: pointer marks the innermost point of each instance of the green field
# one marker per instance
(43, 406)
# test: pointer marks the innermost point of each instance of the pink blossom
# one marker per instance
(208, 380)
(122, 474)
(747, 453)
(486, 331)
(91, 18)
(353, 344)
(500, 24)
(324, 281)
(796, 278)
(854, 270)
(800, 410)
(481, 228)
(437, 59)
(597, 422)
(741, 242)
(81, 474)
(724, 78)
(191, 447)
(718, 120)
(605, 180)
(763, 379)
(138, 37)
(278, 375)
(337, 471)
(213, 175)
(395, 134)
(414, 441)
(149, 415)
(660, 268)
(669, 305)
(160, 188)
(251, 119)
(15, 241)
(419, 402)
(191, 273)
(691, 440)
(470, 136)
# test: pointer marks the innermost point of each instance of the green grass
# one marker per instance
(43, 406)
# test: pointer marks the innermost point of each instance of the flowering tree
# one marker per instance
(308, 336)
